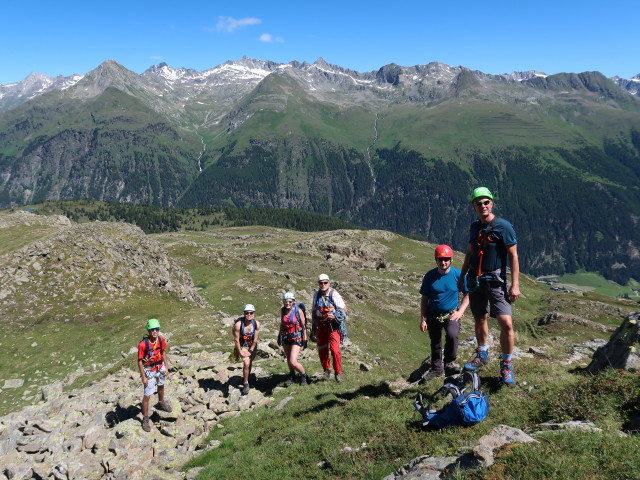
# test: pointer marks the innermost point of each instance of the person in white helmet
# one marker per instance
(293, 336)
(326, 303)
(245, 336)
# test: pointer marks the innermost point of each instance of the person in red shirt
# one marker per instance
(154, 367)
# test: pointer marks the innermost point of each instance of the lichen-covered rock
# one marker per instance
(96, 432)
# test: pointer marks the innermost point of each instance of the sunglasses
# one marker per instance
(443, 259)
(154, 329)
(324, 282)
(483, 202)
(249, 313)
(288, 301)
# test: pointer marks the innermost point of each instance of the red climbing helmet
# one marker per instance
(443, 251)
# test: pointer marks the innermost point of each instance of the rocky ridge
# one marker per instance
(86, 262)
(237, 77)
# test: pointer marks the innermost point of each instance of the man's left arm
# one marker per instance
(514, 290)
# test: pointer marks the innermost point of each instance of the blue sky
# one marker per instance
(67, 37)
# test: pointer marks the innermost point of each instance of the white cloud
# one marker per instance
(268, 38)
(229, 24)
(156, 57)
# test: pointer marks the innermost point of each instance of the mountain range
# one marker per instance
(398, 148)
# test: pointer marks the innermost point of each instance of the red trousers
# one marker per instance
(329, 340)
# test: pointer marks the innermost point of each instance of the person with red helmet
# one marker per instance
(439, 311)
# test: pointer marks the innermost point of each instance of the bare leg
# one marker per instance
(145, 406)
(506, 333)
(482, 329)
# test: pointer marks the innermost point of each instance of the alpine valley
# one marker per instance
(397, 149)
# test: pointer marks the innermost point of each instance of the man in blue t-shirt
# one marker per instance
(439, 310)
(492, 246)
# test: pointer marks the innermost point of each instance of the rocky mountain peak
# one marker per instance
(320, 62)
(33, 85)
(389, 74)
(520, 76)
(166, 72)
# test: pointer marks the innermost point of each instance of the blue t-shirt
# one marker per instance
(442, 290)
(495, 256)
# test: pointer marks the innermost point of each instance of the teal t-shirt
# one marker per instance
(442, 290)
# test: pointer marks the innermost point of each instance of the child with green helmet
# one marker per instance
(154, 367)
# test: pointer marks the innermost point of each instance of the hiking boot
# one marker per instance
(164, 406)
(327, 375)
(146, 425)
(451, 368)
(482, 358)
(338, 378)
(303, 380)
(245, 389)
(506, 373)
(431, 374)
(289, 381)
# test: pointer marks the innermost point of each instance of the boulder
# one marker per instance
(499, 436)
(622, 351)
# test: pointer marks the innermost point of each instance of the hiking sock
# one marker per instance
(483, 348)
(506, 356)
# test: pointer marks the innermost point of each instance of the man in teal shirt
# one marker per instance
(439, 311)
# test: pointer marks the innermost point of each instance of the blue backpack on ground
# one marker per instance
(464, 409)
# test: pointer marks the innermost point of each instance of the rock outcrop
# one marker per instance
(622, 351)
(559, 317)
(88, 262)
(427, 467)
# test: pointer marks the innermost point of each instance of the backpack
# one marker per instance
(340, 320)
(464, 409)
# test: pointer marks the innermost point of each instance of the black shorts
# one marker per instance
(292, 342)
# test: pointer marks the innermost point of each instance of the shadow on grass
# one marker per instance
(268, 384)
(380, 390)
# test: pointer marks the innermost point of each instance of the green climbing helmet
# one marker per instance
(153, 323)
(481, 192)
